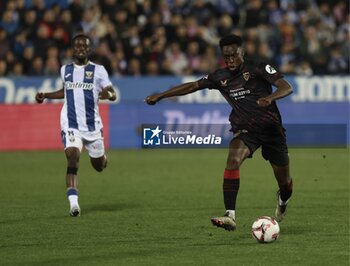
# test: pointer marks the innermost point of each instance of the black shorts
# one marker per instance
(273, 146)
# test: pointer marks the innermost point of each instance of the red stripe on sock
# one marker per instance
(231, 174)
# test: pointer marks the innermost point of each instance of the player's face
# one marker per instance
(81, 48)
(233, 56)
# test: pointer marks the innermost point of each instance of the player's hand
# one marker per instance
(103, 95)
(40, 97)
(263, 102)
(106, 95)
(152, 100)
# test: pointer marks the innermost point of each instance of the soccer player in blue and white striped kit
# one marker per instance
(84, 83)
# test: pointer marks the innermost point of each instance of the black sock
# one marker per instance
(230, 188)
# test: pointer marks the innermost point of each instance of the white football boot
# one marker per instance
(226, 222)
(74, 210)
(281, 208)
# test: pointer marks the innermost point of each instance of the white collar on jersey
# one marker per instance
(81, 66)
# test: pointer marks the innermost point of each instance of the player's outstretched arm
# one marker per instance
(41, 96)
(283, 90)
(178, 90)
(108, 93)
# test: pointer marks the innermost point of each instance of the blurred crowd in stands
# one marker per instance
(174, 37)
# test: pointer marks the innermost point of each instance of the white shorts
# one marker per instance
(93, 141)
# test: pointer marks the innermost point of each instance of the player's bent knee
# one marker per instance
(99, 163)
(233, 162)
(97, 166)
(99, 169)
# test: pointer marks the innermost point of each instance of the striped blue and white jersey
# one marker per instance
(82, 85)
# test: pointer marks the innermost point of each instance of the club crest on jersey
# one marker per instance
(223, 83)
(246, 76)
(88, 74)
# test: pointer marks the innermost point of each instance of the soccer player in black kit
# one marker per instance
(255, 120)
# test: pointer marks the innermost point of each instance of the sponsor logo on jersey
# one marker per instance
(246, 76)
(78, 85)
(239, 93)
(223, 83)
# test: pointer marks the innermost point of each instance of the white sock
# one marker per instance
(73, 200)
(231, 213)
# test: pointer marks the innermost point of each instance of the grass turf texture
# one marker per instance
(153, 207)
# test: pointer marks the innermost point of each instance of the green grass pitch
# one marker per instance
(153, 207)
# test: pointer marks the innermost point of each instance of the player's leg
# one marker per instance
(72, 141)
(99, 163)
(285, 184)
(72, 155)
(276, 151)
(238, 152)
(96, 151)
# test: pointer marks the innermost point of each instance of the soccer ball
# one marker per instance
(265, 229)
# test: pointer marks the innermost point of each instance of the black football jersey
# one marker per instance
(241, 89)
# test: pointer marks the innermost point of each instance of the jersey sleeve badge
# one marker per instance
(269, 69)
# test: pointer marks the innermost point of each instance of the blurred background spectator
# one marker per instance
(174, 37)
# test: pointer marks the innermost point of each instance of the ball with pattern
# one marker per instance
(265, 229)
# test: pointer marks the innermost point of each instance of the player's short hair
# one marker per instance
(230, 39)
(80, 35)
